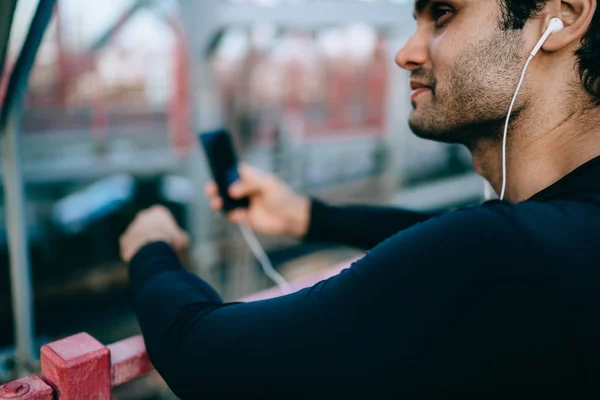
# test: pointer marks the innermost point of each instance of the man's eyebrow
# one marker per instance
(420, 5)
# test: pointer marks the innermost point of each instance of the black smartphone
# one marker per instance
(223, 163)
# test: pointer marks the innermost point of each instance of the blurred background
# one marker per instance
(120, 89)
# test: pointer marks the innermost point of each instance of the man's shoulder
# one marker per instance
(498, 222)
(502, 227)
(557, 225)
(544, 216)
(525, 213)
(488, 227)
(463, 240)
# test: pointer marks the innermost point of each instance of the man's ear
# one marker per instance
(576, 16)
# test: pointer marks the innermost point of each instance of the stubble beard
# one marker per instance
(469, 103)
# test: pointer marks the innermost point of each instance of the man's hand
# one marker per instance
(155, 224)
(275, 209)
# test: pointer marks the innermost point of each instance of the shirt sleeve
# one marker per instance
(437, 306)
(362, 227)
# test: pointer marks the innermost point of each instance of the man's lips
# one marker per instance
(418, 88)
(415, 85)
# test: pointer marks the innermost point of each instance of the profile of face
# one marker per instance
(464, 69)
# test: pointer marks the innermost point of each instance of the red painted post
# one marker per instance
(129, 360)
(339, 88)
(77, 367)
(28, 388)
(377, 82)
(180, 130)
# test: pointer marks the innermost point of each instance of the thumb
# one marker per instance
(182, 241)
(251, 180)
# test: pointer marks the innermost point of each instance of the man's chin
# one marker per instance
(422, 133)
(419, 127)
(425, 130)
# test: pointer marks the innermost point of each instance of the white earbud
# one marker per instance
(555, 25)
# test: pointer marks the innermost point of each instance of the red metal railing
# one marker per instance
(80, 367)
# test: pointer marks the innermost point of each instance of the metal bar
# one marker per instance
(20, 271)
(129, 360)
(18, 80)
(106, 37)
(10, 124)
(7, 11)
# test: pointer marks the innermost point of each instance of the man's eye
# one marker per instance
(441, 14)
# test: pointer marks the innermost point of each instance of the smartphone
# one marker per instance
(223, 163)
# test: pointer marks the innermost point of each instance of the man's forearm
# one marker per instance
(358, 226)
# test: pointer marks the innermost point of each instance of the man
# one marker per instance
(503, 295)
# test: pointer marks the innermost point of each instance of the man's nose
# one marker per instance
(414, 54)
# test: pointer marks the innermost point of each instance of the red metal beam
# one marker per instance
(129, 360)
(28, 388)
(77, 368)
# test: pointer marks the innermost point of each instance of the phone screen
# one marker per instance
(223, 163)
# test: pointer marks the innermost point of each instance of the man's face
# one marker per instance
(464, 70)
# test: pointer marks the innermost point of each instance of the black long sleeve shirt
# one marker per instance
(492, 297)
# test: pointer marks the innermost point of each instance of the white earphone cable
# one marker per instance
(554, 26)
(263, 259)
(512, 104)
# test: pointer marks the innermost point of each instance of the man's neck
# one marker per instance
(540, 151)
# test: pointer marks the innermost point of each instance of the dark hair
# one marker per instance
(517, 12)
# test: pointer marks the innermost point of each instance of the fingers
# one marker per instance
(216, 204)
(154, 224)
(181, 241)
(211, 190)
(238, 216)
(252, 180)
(157, 218)
(212, 193)
(179, 238)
